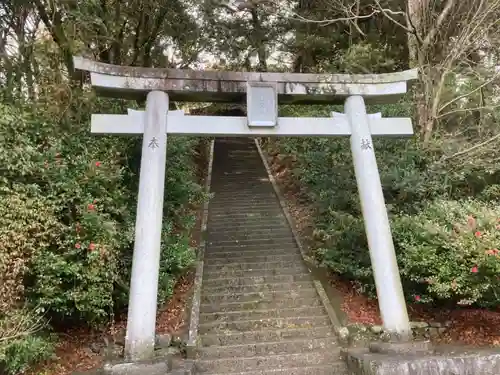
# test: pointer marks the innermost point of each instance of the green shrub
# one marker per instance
(57, 165)
(417, 182)
(75, 214)
(449, 251)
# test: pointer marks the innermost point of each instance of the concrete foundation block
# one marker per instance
(137, 368)
(411, 347)
(443, 361)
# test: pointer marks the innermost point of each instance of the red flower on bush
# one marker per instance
(417, 298)
(478, 234)
(91, 207)
(97, 163)
(474, 269)
(78, 246)
(92, 246)
(492, 252)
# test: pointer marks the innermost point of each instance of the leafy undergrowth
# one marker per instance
(470, 326)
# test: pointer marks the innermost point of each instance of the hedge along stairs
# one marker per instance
(260, 311)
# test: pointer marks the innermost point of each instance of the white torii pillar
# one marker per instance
(141, 322)
(378, 231)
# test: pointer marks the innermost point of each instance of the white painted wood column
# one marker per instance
(383, 257)
(140, 337)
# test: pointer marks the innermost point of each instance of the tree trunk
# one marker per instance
(417, 59)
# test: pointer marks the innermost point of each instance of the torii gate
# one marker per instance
(263, 92)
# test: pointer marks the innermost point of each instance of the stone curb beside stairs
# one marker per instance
(194, 317)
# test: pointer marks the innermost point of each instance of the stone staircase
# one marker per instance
(260, 312)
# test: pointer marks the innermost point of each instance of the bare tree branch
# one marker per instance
(491, 107)
(479, 145)
(469, 93)
(298, 17)
(388, 13)
(439, 23)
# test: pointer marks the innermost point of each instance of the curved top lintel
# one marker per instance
(88, 65)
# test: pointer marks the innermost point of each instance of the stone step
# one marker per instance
(262, 324)
(282, 239)
(235, 255)
(246, 251)
(222, 224)
(231, 165)
(238, 169)
(262, 314)
(259, 304)
(247, 222)
(335, 369)
(241, 177)
(236, 174)
(271, 335)
(240, 196)
(262, 363)
(249, 214)
(244, 202)
(249, 188)
(256, 272)
(224, 221)
(241, 235)
(280, 236)
(256, 182)
(257, 226)
(258, 288)
(222, 202)
(244, 214)
(236, 197)
(267, 296)
(252, 280)
(234, 266)
(234, 169)
(224, 260)
(273, 348)
(223, 207)
(231, 169)
(265, 248)
(247, 157)
(253, 184)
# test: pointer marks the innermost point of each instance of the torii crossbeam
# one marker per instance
(262, 92)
